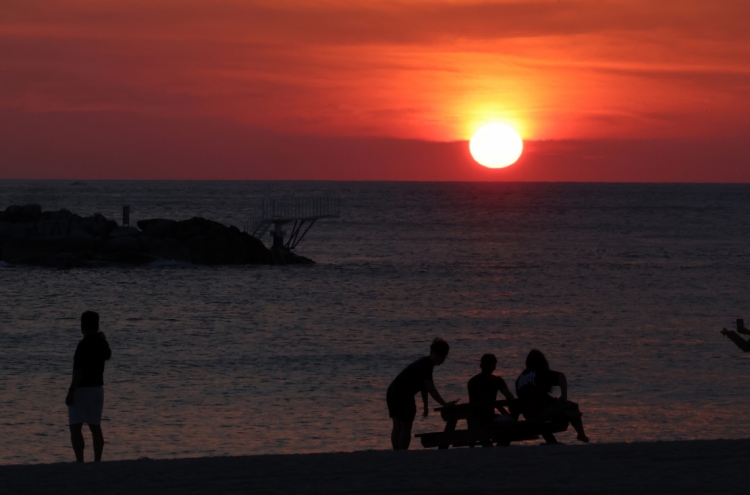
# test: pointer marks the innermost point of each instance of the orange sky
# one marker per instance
(574, 70)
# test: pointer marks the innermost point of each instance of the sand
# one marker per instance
(715, 466)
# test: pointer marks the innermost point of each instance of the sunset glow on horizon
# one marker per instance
(422, 70)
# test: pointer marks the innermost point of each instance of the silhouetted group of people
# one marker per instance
(533, 388)
(85, 398)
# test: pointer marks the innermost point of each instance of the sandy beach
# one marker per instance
(661, 467)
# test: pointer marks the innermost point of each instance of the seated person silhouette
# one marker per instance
(483, 389)
(734, 337)
(534, 385)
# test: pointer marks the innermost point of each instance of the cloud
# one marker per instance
(375, 21)
(419, 69)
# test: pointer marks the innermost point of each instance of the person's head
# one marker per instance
(89, 322)
(439, 351)
(488, 363)
(536, 361)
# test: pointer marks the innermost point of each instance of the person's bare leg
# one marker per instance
(577, 425)
(76, 439)
(405, 436)
(396, 434)
(96, 432)
(401, 434)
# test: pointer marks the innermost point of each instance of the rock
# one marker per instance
(31, 213)
(78, 227)
(97, 225)
(122, 243)
(18, 214)
(20, 230)
(286, 257)
(121, 231)
(78, 240)
(46, 252)
(8, 230)
(126, 257)
(29, 235)
(169, 250)
(158, 227)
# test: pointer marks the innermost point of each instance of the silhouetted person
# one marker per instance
(417, 377)
(483, 389)
(734, 337)
(534, 387)
(85, 399)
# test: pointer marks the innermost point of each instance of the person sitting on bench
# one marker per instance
(534, 385)
(483, 389)
(417, 377)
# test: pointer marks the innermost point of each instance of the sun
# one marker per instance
(496, 146)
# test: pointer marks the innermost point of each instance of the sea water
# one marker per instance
(625, 287)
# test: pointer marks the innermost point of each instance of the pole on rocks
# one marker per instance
(126, 216)
(278, 236)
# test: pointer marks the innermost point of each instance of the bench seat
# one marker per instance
(500, 433)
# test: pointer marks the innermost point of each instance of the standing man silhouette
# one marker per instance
(85, 399)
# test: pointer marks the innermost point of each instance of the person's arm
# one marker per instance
(426, 411)
(563, 383)
(108, 351)
(503, 387)
(430, 387)
(77, 375)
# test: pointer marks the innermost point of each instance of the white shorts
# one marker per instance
(88, 403)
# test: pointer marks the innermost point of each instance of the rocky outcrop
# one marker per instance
(61, 238)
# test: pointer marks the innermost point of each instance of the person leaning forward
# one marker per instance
(417, 377)
(85, 399)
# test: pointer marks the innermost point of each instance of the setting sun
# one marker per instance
(496, 146)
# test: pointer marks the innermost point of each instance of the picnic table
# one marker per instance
(500, 433)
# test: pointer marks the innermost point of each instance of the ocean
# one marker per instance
(625, 288)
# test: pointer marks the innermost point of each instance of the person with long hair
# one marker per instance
(417, 377)
(534, 386)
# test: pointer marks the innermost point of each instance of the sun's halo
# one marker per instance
(496, 146)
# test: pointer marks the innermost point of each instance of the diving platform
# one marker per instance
(301, 211)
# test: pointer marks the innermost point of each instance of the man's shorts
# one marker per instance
(401, 407)
(88, 403)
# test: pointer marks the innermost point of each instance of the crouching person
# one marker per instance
(534, 386)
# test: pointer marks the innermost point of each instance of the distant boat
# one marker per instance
(78, 183)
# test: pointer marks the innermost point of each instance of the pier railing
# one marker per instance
(283, 209)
